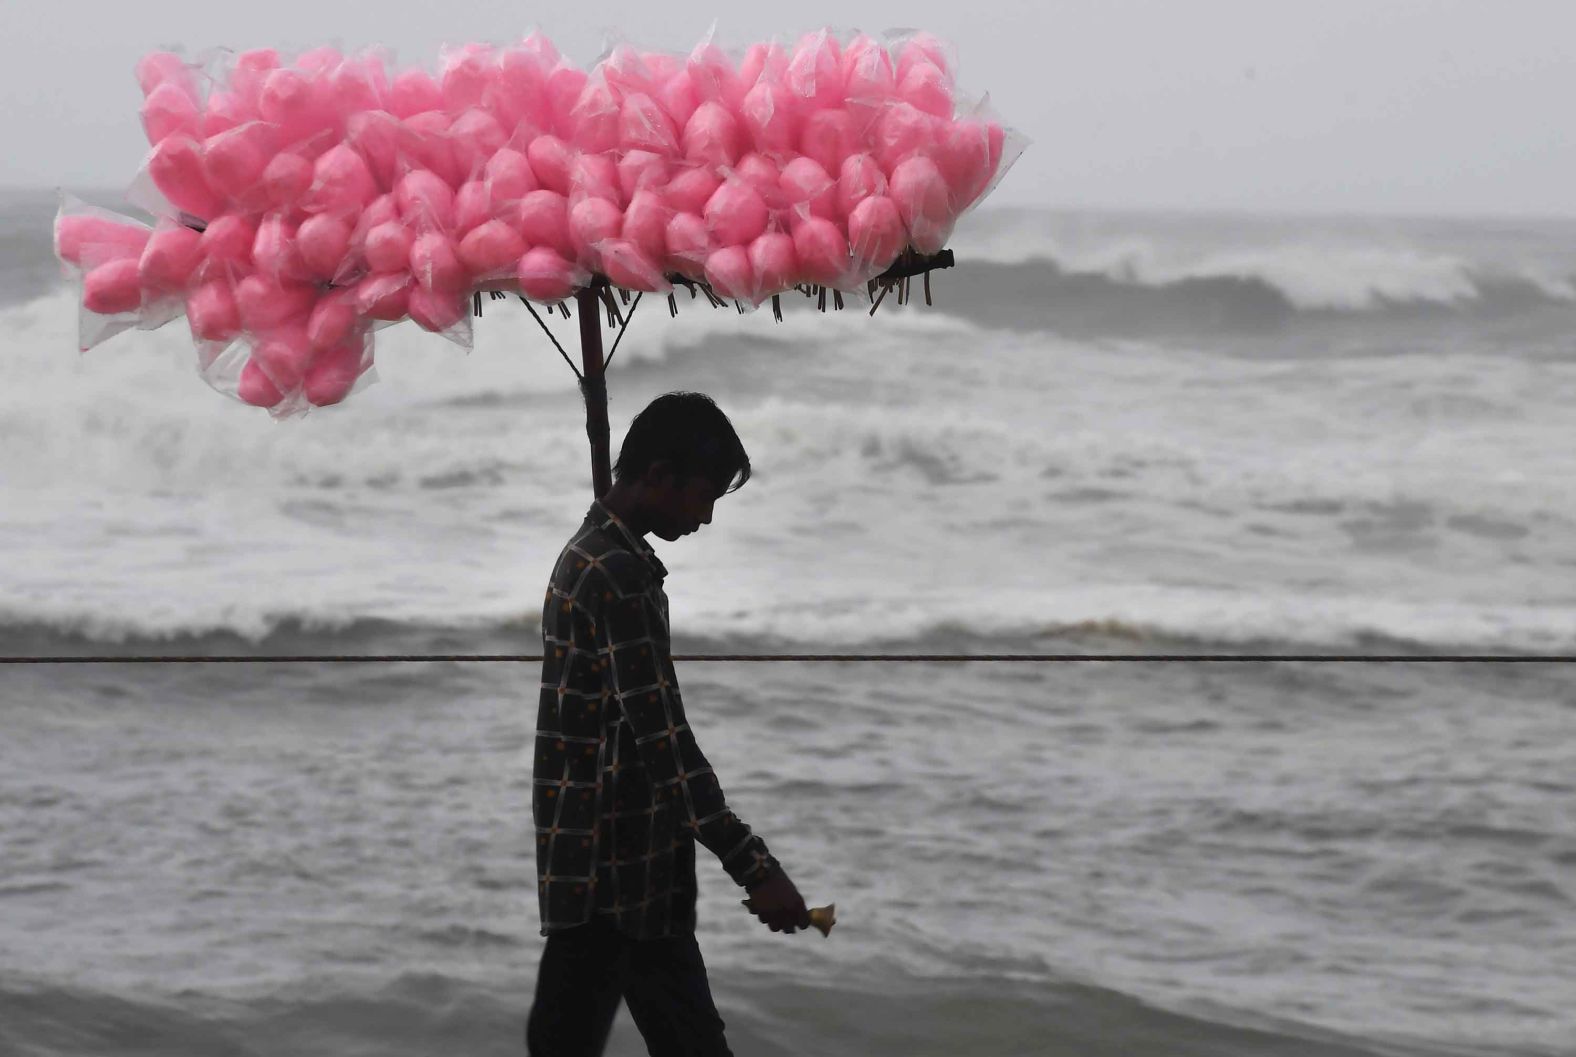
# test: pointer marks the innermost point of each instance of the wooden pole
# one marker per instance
(593, 386)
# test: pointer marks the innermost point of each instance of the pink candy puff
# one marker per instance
(564, 85)
(735, 214)
(713, 77)
(808, 189)
(97, 238)
(385, 296)
(168, 260)
(900, 131)
(550, 159)
(712, 136)
(255, 388)
(334, 318)
(595, 118)
(222, 112)
(646, 224)
(112, 288)
(829, 136)
(359, 84)
(212, 312)
(377, 136)
(493, 250)
(626, 72)
(963, 156)
(867, 72)
(691, 189)
(592, 220)
(474, 137)
(595, 176)
(334, 371)
(323, 243)
(763, 61)
(425, 200)
(859, 178)
(248, 72)
(234, 161)
(274, 250)
(387, 246)
(284, 354)
(438, 311)
(177, 171)
(924, 203)
(508, 177)
(922, 48)
(266, 302)
(639, 169)
(467, 73)
(822, 251)
(227, 241)
(627, 266)
(472, 207)
(341, 182)
(167, 110)
(729, 273)
(676, 96)
(414, 92)
(519, 96)
(774, 264)
(688, 245)
(292, 102)
(158, 67)
(545, 276)
(425, 144)
(435, 262)
(875, 233)
(927, 89)
(286, 180)
(815, 71)
(765, 176)
(643, 125)
(543, 218)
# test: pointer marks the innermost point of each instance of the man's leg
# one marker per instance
(669, 997)
(577, 992)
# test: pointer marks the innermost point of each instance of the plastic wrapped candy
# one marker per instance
(545, 276)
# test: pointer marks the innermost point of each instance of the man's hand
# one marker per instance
(777, 903)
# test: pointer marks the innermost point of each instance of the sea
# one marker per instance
(1111, 433)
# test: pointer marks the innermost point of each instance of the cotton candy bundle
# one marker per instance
(301, 203)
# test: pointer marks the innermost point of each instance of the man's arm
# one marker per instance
(640, 676)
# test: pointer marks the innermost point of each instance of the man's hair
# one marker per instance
(689, 431)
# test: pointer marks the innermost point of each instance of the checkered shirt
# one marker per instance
(621, 790)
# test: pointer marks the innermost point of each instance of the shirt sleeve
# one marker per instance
(638, 671)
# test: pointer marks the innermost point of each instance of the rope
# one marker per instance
(926, 658)
(552, 339)
(621, 330)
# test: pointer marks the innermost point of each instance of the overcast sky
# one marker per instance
(1361, 106)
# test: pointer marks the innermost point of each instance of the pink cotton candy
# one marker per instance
(677, 98)
(643, 125)
(290, 101)
(177, 170)
(765, 176)
(266, 302)
(227, 241)
(627, 266)
(735, 214)
(867, 70)
(626, 72)
(425, 199)
(520, 92)
(385, 297)
(509, 177)
(112, 288)
(688, 245)
(341, 182)
(212, 313)
(639, 169)
(771, 115)
(334, 372)
(550, 159)
(901, 131)
(927, 89)
(474, 137)
(691, 189)
(438, 311)
(234, 161)
(472, 207)
(334, 318)
(713, 77)
(414, 92)
(492, 250)
(387, 247)
(435, 262)
(168, 260)
(286, 180)
(963, 156)
(159, 67)
(323, 242)
(764, 61)
(712, 136)
(545, 276)
(359, 84)
(808, 189)
(875, 232)
(646, 224)
(467, 72)
(859, 178)
(284, 354)
(774, 263)
(168, 110)
(728, 271)
(564, 85)
(543, 218)
(595, 118)
(377, 137)
(84, 238)
(590, 221)
(595, 176)
(424, 143)
(828, 137)
(222, 112)
(822, 251)
(814, 71)
(924, 203)
(274, 250)
(255, 388)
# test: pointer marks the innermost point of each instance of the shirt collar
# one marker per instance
(614, 525)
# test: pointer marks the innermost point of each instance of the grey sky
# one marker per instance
(1394, 106)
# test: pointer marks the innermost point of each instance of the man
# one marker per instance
(622, 790)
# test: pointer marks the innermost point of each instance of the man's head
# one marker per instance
(680, 455)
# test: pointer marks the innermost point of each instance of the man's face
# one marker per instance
(680, 506)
